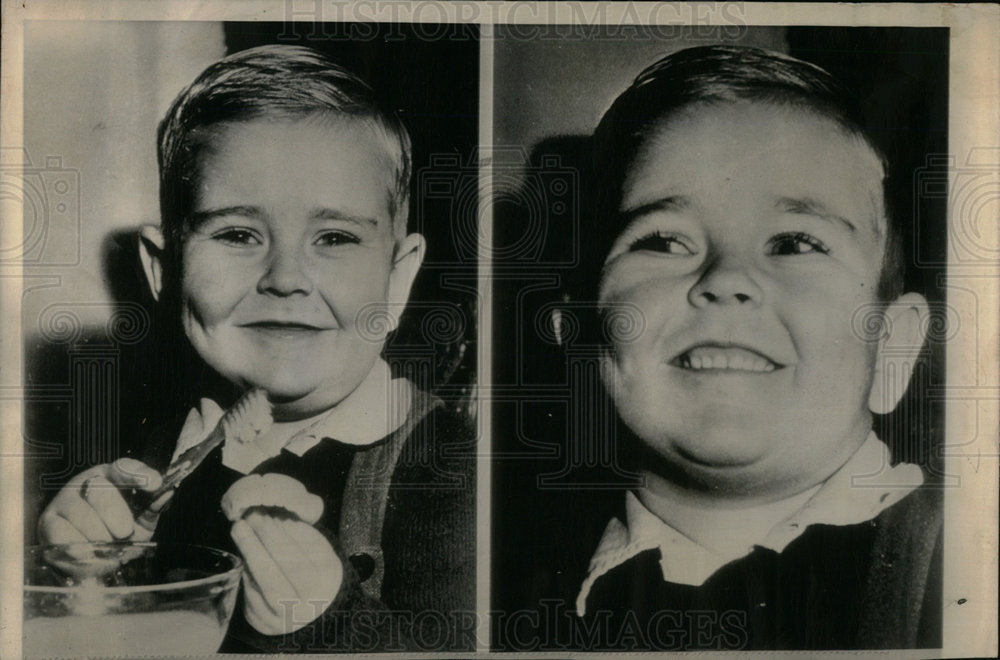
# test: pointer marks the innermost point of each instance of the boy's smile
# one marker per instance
(290, 258)
(724, 357)
(754, 238)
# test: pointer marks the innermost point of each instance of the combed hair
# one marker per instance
(272, 82)
(723, 74)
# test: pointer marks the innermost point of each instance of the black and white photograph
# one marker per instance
(451, 329)
(735, 449)
(269, 443)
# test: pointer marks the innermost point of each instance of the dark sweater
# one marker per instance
(874, 585)
(404, 514)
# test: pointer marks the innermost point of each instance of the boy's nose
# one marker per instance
(285, 274)
(725, 283)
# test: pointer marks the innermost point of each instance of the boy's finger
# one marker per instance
(255, 597)
(130, 473)
(53, 528)
(293, 529)
(258, 611)
(107, 501)
(261, 565)
(312, 544)
(240, 496)
(271, 489)
(145, 522)
(324, 573)
(288, 493)
(314, 589)
(285, 553)
(156, 506)
(77, 482)
(295, 565)
(81, 515)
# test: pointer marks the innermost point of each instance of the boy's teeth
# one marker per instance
(735, 359)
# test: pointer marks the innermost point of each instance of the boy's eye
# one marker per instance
(796, 243)
(333, 238)
(237, 236)
(661, 242)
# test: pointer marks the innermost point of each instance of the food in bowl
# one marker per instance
(127, 599)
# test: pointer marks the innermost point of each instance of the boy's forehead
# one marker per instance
(361, 135)
(320, 156)
(794, 148)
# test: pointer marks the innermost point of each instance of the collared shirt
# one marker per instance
(862, 488)
(376, 408)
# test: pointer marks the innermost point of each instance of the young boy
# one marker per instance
(749, 229)
(283, 248)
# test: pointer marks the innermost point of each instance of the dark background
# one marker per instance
(554, 432)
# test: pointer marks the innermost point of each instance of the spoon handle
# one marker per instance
(249, 416)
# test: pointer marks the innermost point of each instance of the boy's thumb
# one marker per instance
(148, 518)
(130, 473)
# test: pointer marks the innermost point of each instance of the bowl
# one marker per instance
(127, 599)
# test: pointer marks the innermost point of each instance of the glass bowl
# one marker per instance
(127, 599)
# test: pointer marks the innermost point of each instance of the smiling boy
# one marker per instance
(751, 232)
(283, 248)
(291, 237)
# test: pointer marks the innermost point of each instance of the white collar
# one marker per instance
(376, 408)
(861, 489)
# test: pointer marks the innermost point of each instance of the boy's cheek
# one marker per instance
(854, 314)
(209, 276)
(627, 277)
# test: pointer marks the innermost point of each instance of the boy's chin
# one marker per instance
(719, 458)
(725, 462)
(287, 406)
(716, 447)
(744, 467)
(291, 400)
(297, 393)
(749, 483)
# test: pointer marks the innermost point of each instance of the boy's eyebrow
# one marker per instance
(199, 217)
(671, 203)
(809, 206)
(333, 214)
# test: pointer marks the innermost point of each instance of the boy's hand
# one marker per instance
(293, 573)
(90, 507)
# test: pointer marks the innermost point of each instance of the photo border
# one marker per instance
(970, 575)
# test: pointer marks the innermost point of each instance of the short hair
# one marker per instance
(270, 82)
(724, 74)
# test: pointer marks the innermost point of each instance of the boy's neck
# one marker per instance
(376, 408)
(721, 521)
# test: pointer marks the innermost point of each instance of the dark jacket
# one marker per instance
(873, 585)
(404, 514)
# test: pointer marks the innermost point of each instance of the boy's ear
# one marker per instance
(898, 350)
(406, 262)
(151, 247)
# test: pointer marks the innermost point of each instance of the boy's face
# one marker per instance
(754, 242)
(291, 246)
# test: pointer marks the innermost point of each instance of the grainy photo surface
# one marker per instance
(453, 328)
